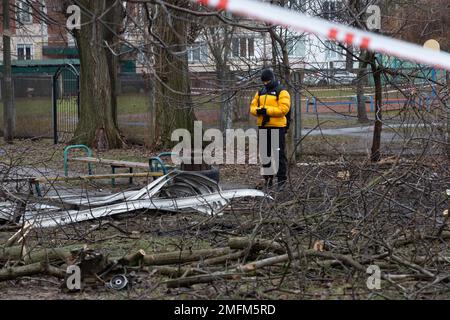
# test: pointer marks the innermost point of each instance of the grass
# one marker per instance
(311, 121)
(329, 145)
(34, 115)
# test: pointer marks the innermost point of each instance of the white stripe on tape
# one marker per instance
(333, 31)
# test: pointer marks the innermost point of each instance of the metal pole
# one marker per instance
(55, 109)
(8, 109)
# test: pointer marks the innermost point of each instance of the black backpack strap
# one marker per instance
(278, 89)
(259, 94)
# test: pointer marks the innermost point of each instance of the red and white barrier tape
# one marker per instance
(333, 31)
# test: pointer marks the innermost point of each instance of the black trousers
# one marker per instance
(273, 148)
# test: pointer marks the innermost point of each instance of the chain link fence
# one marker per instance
(32, 106)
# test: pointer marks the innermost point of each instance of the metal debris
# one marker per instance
(177, 191)
(118, 282)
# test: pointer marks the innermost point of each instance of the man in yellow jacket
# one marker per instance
(271, 106)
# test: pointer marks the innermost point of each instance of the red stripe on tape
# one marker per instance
(332, 34)
(365, 43)
(349, 38)
(223, 4)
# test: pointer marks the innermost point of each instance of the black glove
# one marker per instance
(261, 112)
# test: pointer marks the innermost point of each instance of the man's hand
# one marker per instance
(261, 111)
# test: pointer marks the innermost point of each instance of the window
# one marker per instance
(243, 47)
(24, 52)
(296, 47)
(70, 40)
(332, 9)
(23, 12)
(141, 58)
(334, 51)
(198, 52)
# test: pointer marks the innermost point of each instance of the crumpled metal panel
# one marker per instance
(209, 204)
(176, 191)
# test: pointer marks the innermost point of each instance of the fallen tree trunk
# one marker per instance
(133, 259)
(50, 254)
(222, 259)
(183, 256)
(299, 254)
(249, 267)
(19, 235)
(30, 269)
(255, 244)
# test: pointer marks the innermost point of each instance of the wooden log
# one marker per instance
(295, 255)
(133, 259)
(29, 270)
(237, 272)
(169, 271)
(222, 259)
(183, 256)
(18, 235)
(255, 244)
(36, 255)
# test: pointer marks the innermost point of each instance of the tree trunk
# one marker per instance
(97, 126)
(447, 111)
(285, 72)
(219, 42)
(361, 80)
(376, 142)
(173, 103)
(226, 104)
(8, 106)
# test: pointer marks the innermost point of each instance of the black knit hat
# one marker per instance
(267, 75)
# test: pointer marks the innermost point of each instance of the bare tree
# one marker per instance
(101, 21)
(173, 102)
(219, 43)
(8, 111)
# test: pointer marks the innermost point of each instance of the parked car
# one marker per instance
(344, 77)
(337, 77)
(317, 78)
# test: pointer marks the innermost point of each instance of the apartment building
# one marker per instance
(305, 51)
(34, 39)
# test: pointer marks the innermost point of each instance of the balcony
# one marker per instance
(59, 51)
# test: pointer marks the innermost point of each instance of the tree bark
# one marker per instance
(255, 244)
(183, 256)
(285, 72)
(30, 269)
(376, 142)
(219, 43)
(226, 105)
(97, 127)
(51, 254)
(361, 77)
(173, 103)
(447, 112)
(8, 106)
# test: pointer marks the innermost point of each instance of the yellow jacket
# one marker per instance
(275, 109)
